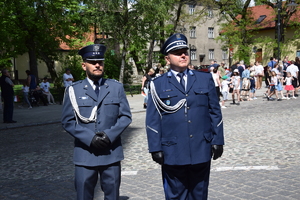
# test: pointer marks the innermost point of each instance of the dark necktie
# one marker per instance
(182, 81)
(96, 83)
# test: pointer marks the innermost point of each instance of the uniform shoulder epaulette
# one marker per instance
(157, 77)
(77, 82)
(113, 80)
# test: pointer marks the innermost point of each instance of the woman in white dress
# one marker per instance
(259, 74)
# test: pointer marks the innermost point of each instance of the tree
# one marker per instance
(37, 27)
(282, 16)
(238, 30)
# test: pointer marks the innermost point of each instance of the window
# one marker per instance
(193, 55)
(193, 52)
(211, 54)
(210, 32)
(191, 9)
(210, 13)
(298, 53)
(224, 54)
(193, 32)
(260, 19)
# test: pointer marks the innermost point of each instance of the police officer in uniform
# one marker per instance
(184, 124)
(96, 112)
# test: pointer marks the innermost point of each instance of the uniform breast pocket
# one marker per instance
(111, 106)
(169, 98)
(201, 96)
(85, 107)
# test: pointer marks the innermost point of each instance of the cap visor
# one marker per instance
(94, 59)
(177, 48)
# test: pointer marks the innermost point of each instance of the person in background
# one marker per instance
(272, 62)
(273, 89)
(161, 72)
(145, 85)
(25, 90)
(184, 124)
(293, 69)
(221, 69)
(245, 83)
(259, 72)
(285, 63)
(96, 112)
(216, 78)
(31, 81)
(45, 86)
(297, 63)
(68, 78)
(288, 86)
(7, 93)
(225, 90)
(236, 79)
(252, 87)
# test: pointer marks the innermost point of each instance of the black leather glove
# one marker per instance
(100, 141)
(158, 157)
(217, 151)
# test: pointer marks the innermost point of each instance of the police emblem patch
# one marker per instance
(178, 36)
(168, 102)
(96, 48)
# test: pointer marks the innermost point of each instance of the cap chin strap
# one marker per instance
(93, 116)
(160, 105)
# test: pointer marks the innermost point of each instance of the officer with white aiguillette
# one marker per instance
(96, 112)
(184, 124)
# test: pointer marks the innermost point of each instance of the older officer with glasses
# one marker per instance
(184, 124)
(96, 112)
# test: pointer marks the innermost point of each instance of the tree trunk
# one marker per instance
(150, 55)
(122, 69)
(136, 59)
(50, 65)
(32, 58)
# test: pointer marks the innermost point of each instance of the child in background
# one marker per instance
(25, 90)
(273, 84)
(252, 87)
(288, 85)
(224, 90)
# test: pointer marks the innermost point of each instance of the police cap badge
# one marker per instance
(174, 42)
(93, 52)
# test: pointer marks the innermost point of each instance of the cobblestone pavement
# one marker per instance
(261, 158)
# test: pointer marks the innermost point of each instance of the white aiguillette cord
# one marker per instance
(159, 104)
(93, 116)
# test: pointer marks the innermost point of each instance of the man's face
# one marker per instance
(94, 69)
(178, 59)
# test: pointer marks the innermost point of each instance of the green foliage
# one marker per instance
(73, 62)
(5, 63)
(112, 67)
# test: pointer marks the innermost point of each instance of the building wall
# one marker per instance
(203, 43)
(21, 64)
(289, 50)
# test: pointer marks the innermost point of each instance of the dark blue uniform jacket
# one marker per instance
(113, 116)
(185, 136)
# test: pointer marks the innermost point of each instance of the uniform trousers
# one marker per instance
(86, 179)
(186, 182)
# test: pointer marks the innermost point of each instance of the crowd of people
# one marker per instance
(242, 80)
